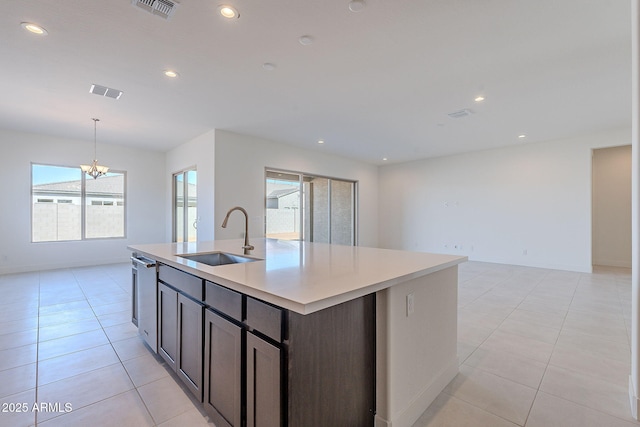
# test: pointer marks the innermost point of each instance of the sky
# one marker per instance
(46, 174)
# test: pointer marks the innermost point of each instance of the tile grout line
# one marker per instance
(561, 397)
(491, 373)
(547, 364)
(503, 320)
(537, 389)
(482, 409)
(535, 397)
(71, 270)
(120, 361)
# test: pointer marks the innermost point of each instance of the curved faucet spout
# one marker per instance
(247, 247)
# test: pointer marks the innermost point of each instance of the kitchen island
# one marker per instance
(359, 336)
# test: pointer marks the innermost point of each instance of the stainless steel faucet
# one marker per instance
(247, 247)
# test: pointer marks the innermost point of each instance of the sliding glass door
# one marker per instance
(310, 208)
(185, 206)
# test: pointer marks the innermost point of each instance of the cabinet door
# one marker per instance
(167, 321)
(263, 383)
(222, 370)
(189, 357)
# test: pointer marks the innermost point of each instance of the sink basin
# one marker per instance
(218, 258)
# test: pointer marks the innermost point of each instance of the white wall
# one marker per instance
(145, 195)
(198, 152)
(612, 206)
(493, 205)
(240, 163)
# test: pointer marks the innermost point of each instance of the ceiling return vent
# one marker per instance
(460, 113)
(161, 8)
(105, 91)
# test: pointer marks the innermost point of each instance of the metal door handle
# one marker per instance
(143, 262)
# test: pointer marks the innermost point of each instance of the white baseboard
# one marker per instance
(633, 400)
(410, 414)
(381, 422)
(613, 263)
(16, 269)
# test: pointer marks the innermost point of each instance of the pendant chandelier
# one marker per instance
(94, 170)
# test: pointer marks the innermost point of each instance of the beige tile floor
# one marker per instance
(66, 337)
(537, 348)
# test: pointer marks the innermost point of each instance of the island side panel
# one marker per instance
(331, 365)
(416, 354)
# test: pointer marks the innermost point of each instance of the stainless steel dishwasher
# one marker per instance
(145, 297)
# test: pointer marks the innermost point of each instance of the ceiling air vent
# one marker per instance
(105, 91)
(460, 113)
(161, 8)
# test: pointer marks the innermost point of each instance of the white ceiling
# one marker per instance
(377, 83)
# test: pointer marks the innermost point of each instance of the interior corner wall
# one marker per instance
(145, 217)
(528, 204)
(198, 152)
(240, 163)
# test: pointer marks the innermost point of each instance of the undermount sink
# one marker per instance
(218, 258)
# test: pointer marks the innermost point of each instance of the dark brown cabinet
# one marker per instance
(331, 365)
(264, 373)
(167, 324)
(180, 323)
(223, 370)
(189, 354)
(254, 364)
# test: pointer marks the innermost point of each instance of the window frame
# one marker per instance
(83, 207)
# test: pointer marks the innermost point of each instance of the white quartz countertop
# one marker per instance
(302, 277)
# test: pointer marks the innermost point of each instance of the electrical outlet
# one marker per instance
(410, 304)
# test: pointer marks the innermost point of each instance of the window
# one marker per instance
(185, 206)
(86, 208)
(326, 208)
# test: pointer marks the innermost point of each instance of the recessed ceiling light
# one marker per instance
(356, 5)
(522, 136)
(228, 12)
(384, 158)
(171, 73)
(320, 141)
(305, 40)
(269, 66)
(34, 28)
(479, 98)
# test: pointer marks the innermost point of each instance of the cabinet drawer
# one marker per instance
(224, 300)
(184, 282)
(265, 318)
